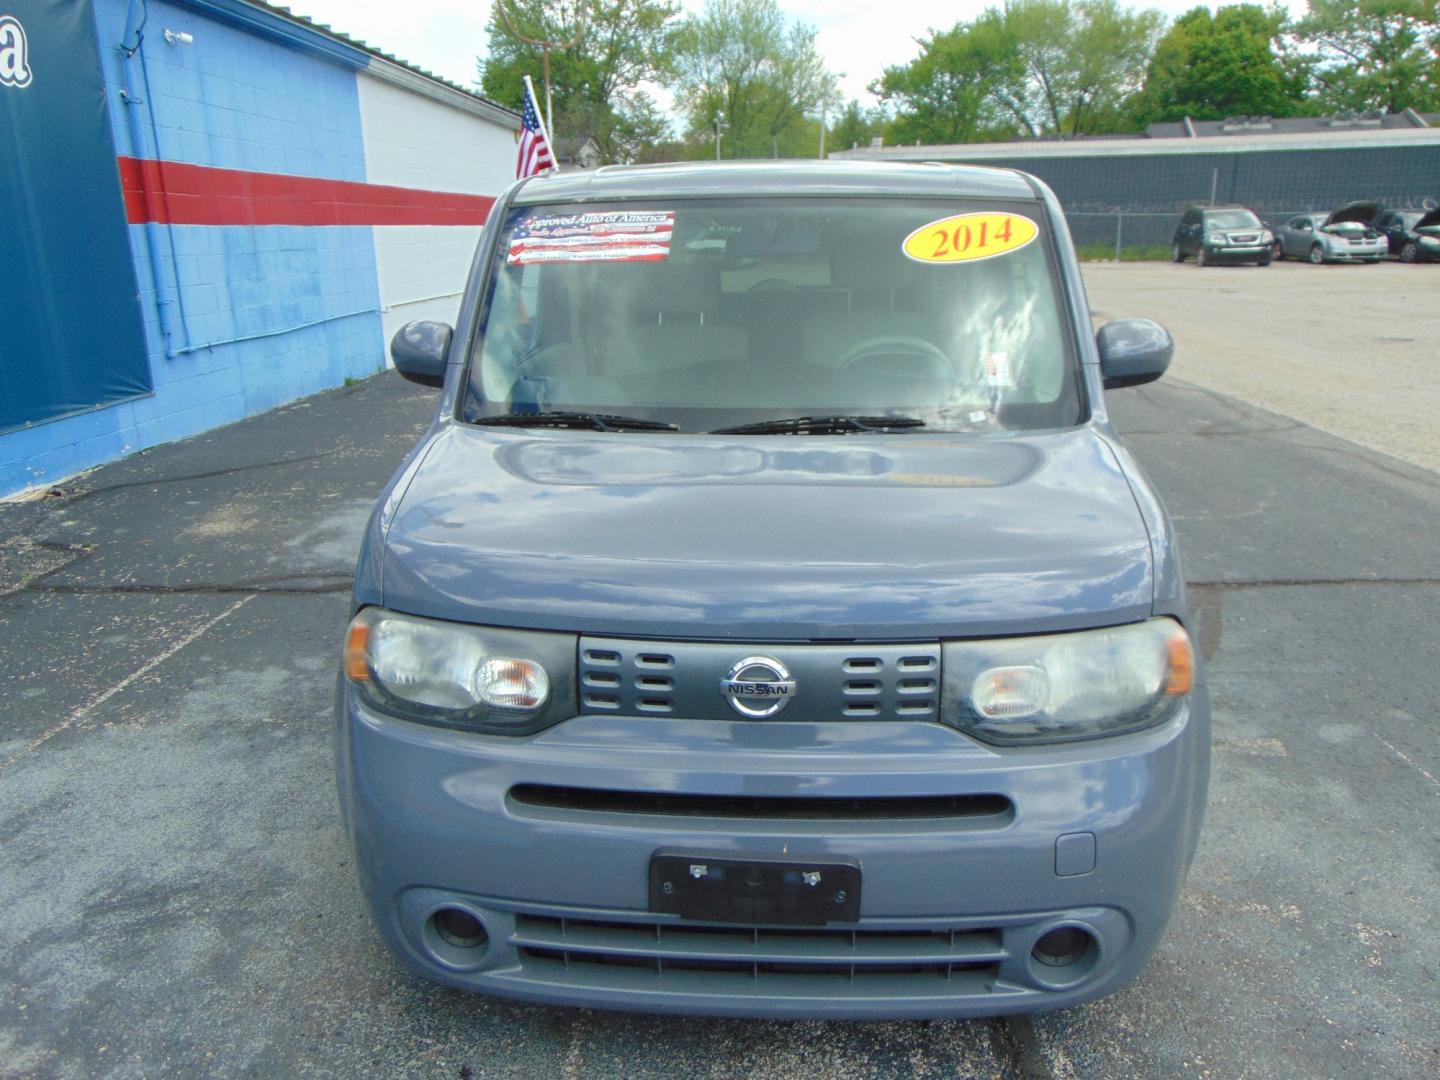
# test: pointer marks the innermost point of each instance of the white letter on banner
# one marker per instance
(14, 63)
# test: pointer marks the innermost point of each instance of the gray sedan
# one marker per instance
(1316, 238)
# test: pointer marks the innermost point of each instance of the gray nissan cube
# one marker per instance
(771, 622)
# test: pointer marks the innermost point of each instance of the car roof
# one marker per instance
(758, 178)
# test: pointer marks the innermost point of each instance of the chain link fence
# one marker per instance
(1122, 234)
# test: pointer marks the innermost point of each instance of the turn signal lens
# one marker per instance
(356, 666)
(503, 683)
(1010, 693)
(1182, 663)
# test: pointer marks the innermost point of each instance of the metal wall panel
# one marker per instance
(72, 337)
(1265, 181)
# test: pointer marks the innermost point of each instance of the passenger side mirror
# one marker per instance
(1133, 351)
(419, 350)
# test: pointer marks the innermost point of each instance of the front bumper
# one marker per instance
(1356, 253)
(1237, 252)
(951, 907)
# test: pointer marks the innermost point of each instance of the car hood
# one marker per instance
(769, 537)
(1430, 222)
(1362, 212)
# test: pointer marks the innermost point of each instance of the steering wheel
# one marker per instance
(893, 344)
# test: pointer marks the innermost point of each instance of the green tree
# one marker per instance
(596, 84)
(1037, 67)
(1375, 54)
(853, 127)
(1209, 67)
(1083, 59)
(740, 62)
(967, 85)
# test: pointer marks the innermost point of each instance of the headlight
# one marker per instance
(1266, 236)
(477, 677)
(1215, 238)
(1059, 687)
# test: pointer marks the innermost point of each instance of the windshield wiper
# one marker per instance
(591, 420)
(823, 425)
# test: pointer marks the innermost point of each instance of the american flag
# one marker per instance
(534, 149)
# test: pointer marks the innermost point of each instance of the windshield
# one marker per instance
(731, 313)
(1232, 219)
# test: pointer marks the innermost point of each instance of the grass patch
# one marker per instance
(1140, 253)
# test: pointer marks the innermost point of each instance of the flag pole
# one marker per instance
(544, 129)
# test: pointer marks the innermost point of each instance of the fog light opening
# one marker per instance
(458, 928)
(1063, 947)
(1064, 957)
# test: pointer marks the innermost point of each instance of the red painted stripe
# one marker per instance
(170, 192)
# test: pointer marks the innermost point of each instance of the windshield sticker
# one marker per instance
(970, 238)
(997, 370)
(614, 236)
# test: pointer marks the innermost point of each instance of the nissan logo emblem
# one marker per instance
(758, 687)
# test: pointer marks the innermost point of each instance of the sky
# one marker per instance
(858, 38)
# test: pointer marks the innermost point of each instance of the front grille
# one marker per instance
(764, 808)
(755, 954)
(1244, 238)
(833, 682)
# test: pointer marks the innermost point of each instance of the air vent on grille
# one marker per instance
(903, 686)
(612, 681)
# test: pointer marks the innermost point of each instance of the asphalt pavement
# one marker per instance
(177, 899)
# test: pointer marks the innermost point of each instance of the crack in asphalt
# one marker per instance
(1017, 1048)
(1218, 431)
(86, 493)
(267, 587)
(1229, 404)
(1371, 458)
(75, 551)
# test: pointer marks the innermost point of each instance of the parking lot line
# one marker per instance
(139, 673)
(1408, 760)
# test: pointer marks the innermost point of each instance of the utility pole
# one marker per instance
(825, 113)
(545, 45)
(719, 116)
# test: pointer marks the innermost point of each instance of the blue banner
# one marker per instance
(71, 336)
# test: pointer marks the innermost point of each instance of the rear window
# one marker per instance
(719, 313)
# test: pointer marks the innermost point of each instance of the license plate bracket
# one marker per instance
(782, 890)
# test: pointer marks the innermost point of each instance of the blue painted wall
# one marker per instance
(259, 315)
(234, 99)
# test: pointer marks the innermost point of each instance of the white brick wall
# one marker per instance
(415, 142)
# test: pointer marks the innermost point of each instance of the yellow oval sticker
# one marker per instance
(970, 237)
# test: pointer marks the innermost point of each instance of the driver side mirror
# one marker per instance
(1133, 351)
(419, 350)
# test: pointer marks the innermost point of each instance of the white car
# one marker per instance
(1329, 238)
